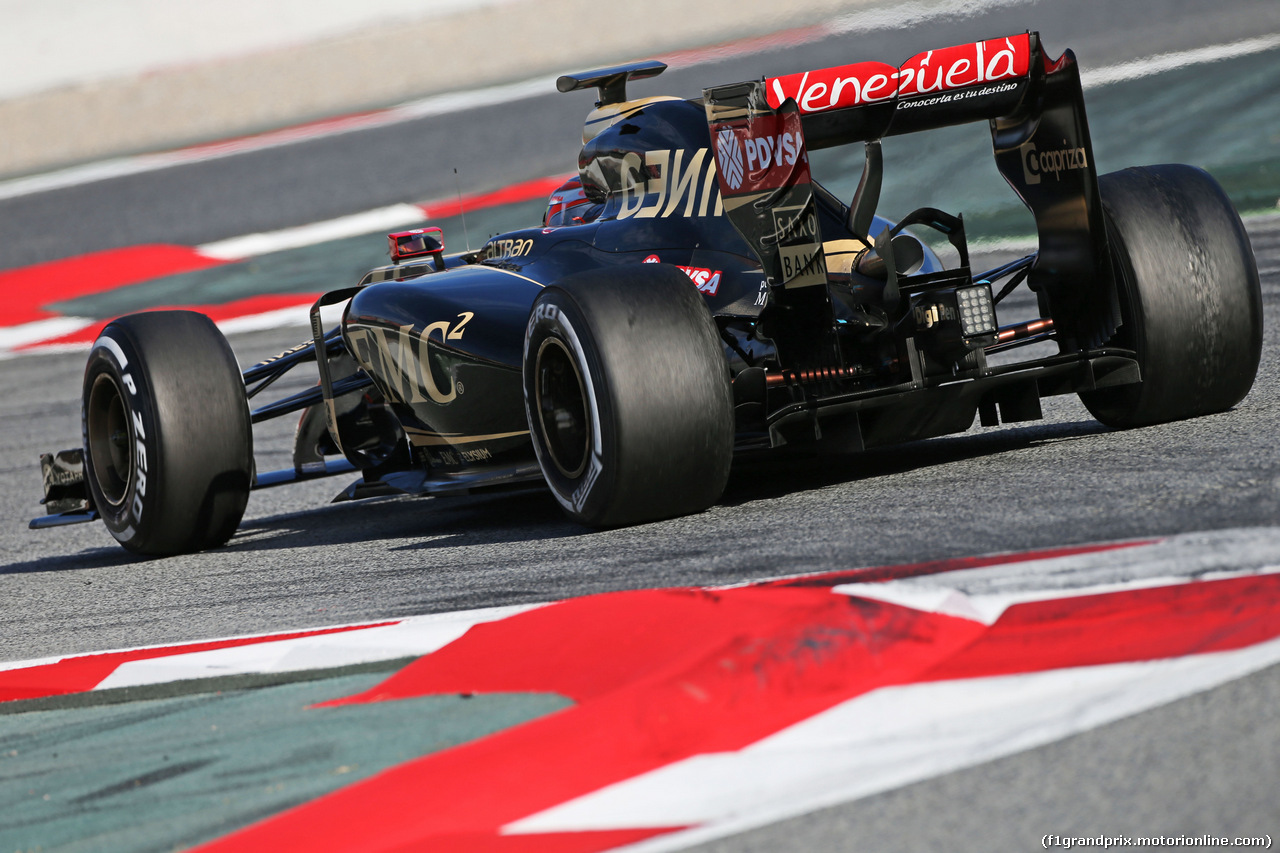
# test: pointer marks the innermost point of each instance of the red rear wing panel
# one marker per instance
(1040, 139)
(870, 100)
(937, 75)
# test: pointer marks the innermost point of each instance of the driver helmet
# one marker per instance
(569, 205)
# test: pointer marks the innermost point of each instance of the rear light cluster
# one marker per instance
(977, 314)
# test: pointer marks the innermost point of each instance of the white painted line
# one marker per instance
(884, 740)
(937, 593)
(27, 664)
(44, 349)
(297, 315)
(453, 102)
(267, 637)
(33, 333)
(89, 173)
(367, 222)
(898, 16)
(1164, 62)
(875, 742)
(1013, 245)
(415, 636)
(12, 337)
(125, 166)
(436, 105)
(361, 642)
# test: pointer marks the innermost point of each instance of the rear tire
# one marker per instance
(628, 396)
(1189, 296)
(167, 436)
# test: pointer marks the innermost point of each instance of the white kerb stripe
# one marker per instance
(930, 594)
(12, 337)
(418, 635)
(1159, 64)
(493, 95)
(367, 222)
(884, 740)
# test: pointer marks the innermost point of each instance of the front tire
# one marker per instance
(167, 435)
(628, 396)
(1189, 296)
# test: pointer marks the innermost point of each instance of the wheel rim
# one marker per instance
(110, 439)
(562, 408)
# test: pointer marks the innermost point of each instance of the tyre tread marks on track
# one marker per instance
(269, 652)
(675, 686)
(698, 672)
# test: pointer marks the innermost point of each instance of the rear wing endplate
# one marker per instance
(1040, 137)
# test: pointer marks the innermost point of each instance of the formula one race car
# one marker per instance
(694, 293)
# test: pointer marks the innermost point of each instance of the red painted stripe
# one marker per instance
(556, 842)
(574, 647)
(749, 46)
(1133, 625)
(656, 635)
(293, 133)
(514, 194)
(28, 289)
(218, 313)
(730, 668)
(85, 672)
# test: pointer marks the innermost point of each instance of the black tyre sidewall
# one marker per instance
(1190, 296)
(584, 497)
(651, 363)
(189, 430)
(114, 357)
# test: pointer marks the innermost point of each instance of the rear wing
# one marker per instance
(871, 100)
(761, 131)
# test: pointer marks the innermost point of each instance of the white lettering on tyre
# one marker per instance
(134, 508)
(578, 498)
(140, 464)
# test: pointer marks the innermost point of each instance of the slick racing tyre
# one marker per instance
(167, 436)
(1190, 300)
(628, 396)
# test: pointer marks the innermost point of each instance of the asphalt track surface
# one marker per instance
(1204, 764)
(496, 146)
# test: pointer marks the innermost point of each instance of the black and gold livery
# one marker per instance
(714, 298)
